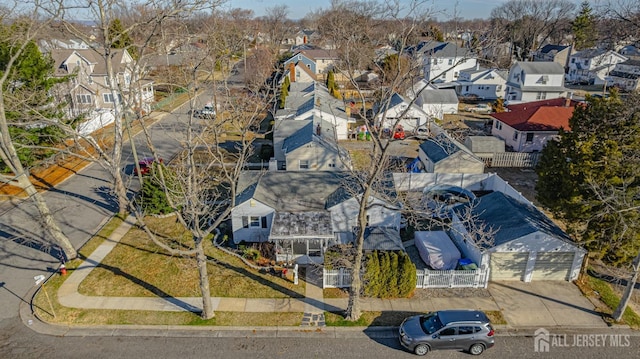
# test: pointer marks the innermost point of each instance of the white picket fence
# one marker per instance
(511, 159)
(477, 278)
(341, 278)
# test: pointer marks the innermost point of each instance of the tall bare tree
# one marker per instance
(20, 28)
(527, 24)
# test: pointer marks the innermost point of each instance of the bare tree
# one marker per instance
(26, 25)
(527, 24)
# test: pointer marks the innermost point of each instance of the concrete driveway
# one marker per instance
(544, 304)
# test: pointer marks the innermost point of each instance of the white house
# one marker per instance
(527, 127)
(312, 100)
(304, 213)
(488, 84)
(437, 103)
(625, 75)
(592, 66)
(400, 111)
(443, 61)
(303, 146)
(534, 81)
(526, 246)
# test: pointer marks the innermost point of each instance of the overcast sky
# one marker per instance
(468, 9)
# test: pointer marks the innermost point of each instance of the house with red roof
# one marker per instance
(527, 127)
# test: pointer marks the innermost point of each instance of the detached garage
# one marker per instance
(527, 244)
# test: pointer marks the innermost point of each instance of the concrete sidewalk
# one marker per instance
(523, 305)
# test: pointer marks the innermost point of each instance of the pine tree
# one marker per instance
(372, 275)
(394, 276)
(584, 27)
(284, 92)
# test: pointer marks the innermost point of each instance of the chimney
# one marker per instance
(292, 72)
(567, 102)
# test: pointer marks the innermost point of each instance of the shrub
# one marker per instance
(389, 274)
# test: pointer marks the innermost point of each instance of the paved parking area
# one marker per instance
(544, 304)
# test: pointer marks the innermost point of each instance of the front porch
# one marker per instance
(301, 237)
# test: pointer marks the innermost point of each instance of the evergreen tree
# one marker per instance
(394, 276)
(407, 276)
(372, 275)
(590, 177)
(284, 92)
(119, 38)
(584, 27)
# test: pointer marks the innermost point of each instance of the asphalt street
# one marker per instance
(18, 341)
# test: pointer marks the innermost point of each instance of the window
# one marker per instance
(254, 222)
(465, 330)
(332, 165)
(107, 97)
(456, 74)
(573, 61)
(529, 136)
(515, 136)
(541, 96)
(83, 98)
(448, 332)
(304, 165)
(498, 125)
(466, 88)
(450, 62)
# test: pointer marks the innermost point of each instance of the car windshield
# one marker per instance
(430, 323)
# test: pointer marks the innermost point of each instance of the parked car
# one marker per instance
(208, 111)
(468, 330)
(480, 108)
(146, 164)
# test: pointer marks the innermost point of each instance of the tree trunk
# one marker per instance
(354, 311)
(628, 291)
(201, 260)
(49, 222)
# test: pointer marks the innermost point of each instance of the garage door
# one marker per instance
(508, 266)
(552, 266)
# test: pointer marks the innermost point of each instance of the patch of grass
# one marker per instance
(360, 159)
(136, 267)
(335, 293)
(368, 319)
(496, 317)
(611, 299)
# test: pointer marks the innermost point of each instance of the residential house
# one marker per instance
(625, 75)
(443, 154)
(437, 103)
(89, 90)
(592, 66)
(554, 53)
(312, 100)
(629, 51)
(299, 146)
(304, 213)
(487, 84)
(319, 61)
(526, 246)
(529, 126)
(443, 61)
(534, 81)
(299, 72)
(400, 111)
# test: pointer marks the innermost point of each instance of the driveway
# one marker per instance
(544, 304)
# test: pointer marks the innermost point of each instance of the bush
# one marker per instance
(153, 198)
(389, 274)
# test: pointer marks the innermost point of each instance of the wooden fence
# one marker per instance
(511, 159)
(341, 278)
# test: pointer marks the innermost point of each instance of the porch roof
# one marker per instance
(292, 225)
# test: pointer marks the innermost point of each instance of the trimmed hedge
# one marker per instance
(389, 274)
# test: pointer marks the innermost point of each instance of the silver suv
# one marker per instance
(447, 329)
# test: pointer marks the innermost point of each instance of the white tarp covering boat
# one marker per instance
(437, 250)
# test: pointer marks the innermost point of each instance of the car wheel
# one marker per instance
(476, 349)
(421, 349)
